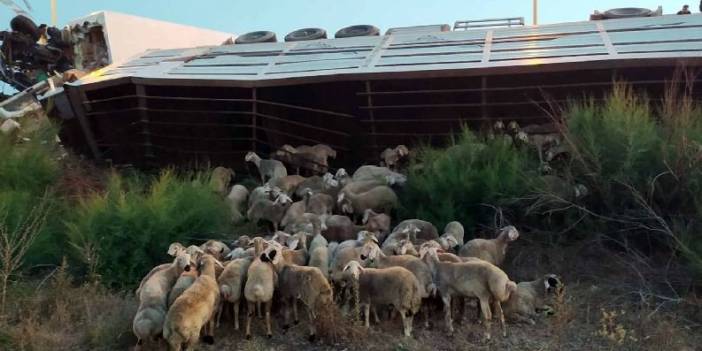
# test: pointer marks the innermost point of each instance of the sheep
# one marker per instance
(319, 254)
(195, 308)
(287, 184)
(296, 209)
(379, 223)
(448, 242)
(561, 188)
(173, 250)
(260, 283)
(219, 181)
(365, 185)
(394, 286)
(427, 231)
(215, 248)
(272, 211)
(491, 250)
(10, 127)
(369, 172)
(479, 279)
(317, 154)
(320, 204)
(301, 159)
(347, 251)
(231, 284)
(307, 284)
(317, 184)
(267, 169)
(153, 298)
(456, 230)
(236, 199)
(381, 198)
(339, 228)
(186, 279)
(391, 157)
(261, 192)
(372, 255)
(296, 256)
(531, 297)
(397, 240)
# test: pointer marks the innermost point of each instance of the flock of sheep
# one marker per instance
(333, 245)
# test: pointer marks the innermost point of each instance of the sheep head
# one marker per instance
(288, 148)
(411, 230)
(329, 181)
(183, 261)
(402, 150)
(499, 125)
(250, 156)
(448, 242)
(552, 284)
(404, 247)
(365, 236)
(428, 245)
(367, 214)
(580, 191)
(513, 126)
(370, 251)
(354, 269)
(509, 233)
(522, 136)
(175, 248)
(195, 252)
(345, 202)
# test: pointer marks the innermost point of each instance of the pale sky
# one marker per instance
(283, 16)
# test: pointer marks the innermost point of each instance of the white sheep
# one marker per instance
(261, 279)
(153, 298)
(378, 223)
(305, 284)
(456, 230)
(267, 169)
(287, 184)
(478, 279)
(531, 297)
(391, 158)
(220, 179)
(380, 199)
(231, 284)
(340, 228)
(236, 200)
(296, 209)
(319, 254)
(193, 309)
(369, 172)
(323, 184)
(491, 250)
(375, 257)
(427, 231)
(272, 211)
(320, 204)
(394, 286)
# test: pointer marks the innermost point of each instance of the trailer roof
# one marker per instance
(669, 36)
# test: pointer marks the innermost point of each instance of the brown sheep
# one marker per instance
(491, 250)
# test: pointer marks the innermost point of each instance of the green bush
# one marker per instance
(456, 184)
(28, 171)
(124, 232)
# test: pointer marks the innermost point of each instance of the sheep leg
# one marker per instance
(258, 310)
(366, 313)
(268, 318)
(235, 307)
(294, 305)
(310, 321)
(447, 312)
(425, 308)
(250, 310)
(286, 317)
(220, 309)
(406, 324)
(487, 315)
(497, 307)
(375, 315)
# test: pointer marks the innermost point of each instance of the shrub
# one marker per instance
(124, 232)
(456, 183)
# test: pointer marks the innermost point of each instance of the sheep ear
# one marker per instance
(292, 244)
(264, 257)
(272, 254)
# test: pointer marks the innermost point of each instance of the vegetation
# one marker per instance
(625, 249)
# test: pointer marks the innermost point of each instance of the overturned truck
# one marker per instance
(361, 94)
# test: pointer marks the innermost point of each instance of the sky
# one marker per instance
(283, 16)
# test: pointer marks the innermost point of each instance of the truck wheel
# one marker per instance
(306, 34)
(24, 24)
(362, 30)
(262, 36)
(625, 12)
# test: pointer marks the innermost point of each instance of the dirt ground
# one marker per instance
(610, 304)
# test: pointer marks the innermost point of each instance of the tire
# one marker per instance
(256, 37)
(626, 12)
(25, 25)
(306, 34)
(362, 30)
